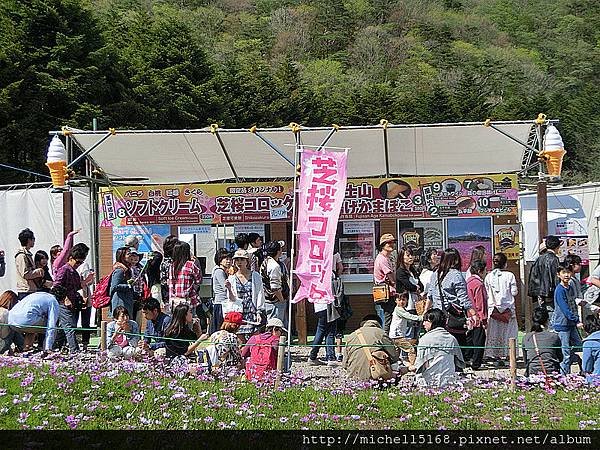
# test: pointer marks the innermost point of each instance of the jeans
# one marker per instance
(568, 339)
(86, 315)
(67, 320)
(278, 310)
(549, 305)
(217, 318)
(325, 330)
(462, 342)
(380, 312)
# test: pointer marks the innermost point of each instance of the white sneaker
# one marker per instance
(333, 363)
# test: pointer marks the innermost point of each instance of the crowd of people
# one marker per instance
(434, 320)
(439, 321)
(249, 303)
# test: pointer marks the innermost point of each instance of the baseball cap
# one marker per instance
(234, 317)
(387, 237)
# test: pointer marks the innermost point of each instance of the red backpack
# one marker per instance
(263, 357)
(101, 295)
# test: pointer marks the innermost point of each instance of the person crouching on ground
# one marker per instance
(591, 349)
(122, 335)
(261, 350)
(399, 327)
(439, 354)
(356, 361)
(7, 335)
(34, 313)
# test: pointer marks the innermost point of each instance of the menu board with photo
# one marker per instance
(431, 197)
(465, 234)
(506, 240)
(575, 245)
(433, 233)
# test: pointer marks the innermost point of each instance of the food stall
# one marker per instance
(207, 184)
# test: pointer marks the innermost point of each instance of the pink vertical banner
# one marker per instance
(322, 189)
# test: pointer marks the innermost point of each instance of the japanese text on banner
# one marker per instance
(322, 189)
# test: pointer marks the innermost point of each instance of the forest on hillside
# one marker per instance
(189, 63)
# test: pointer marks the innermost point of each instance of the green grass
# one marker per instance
(94, 396)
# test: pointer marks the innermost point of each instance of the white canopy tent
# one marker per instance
(212, 154)
(151, 157)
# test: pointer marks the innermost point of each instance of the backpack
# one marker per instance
(266, 279)
(263, 357)
(101, 295)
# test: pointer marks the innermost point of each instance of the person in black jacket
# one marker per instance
(542, 278)
(407, 279)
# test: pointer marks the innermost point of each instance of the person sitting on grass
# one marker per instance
(591, 349)
(183, 335)
(541, 347)
(157, 323)
(122, 335)
(261, 350)
(439, 354)
(226, 343)
(399, 327)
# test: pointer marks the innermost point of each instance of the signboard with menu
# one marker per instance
(365, 199)
(430, 197)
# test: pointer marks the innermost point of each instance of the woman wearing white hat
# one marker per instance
(246, 295)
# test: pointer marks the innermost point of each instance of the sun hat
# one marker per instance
(241, 253)
(387, 237)
(234, 317)
(132, 241)
(275, 322)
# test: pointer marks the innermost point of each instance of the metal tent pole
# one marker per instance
(110, 133)
(214, 129)
(254, 131)
(297, 152)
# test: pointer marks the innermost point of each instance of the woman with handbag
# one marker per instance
(448, 292)
(501, 288)
(246, 295)
(407, 280)
(384, 277)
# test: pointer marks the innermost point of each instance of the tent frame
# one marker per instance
(95, 176)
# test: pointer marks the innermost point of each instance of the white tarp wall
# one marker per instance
(580, 204)
(41, 211)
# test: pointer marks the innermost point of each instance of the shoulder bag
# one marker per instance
(498, 316)
(380, 367)
(457, 319)
(381, 293)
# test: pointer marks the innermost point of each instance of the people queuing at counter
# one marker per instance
(435, 322)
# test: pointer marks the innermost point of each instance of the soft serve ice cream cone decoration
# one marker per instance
(57, 162)
(553, 152)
